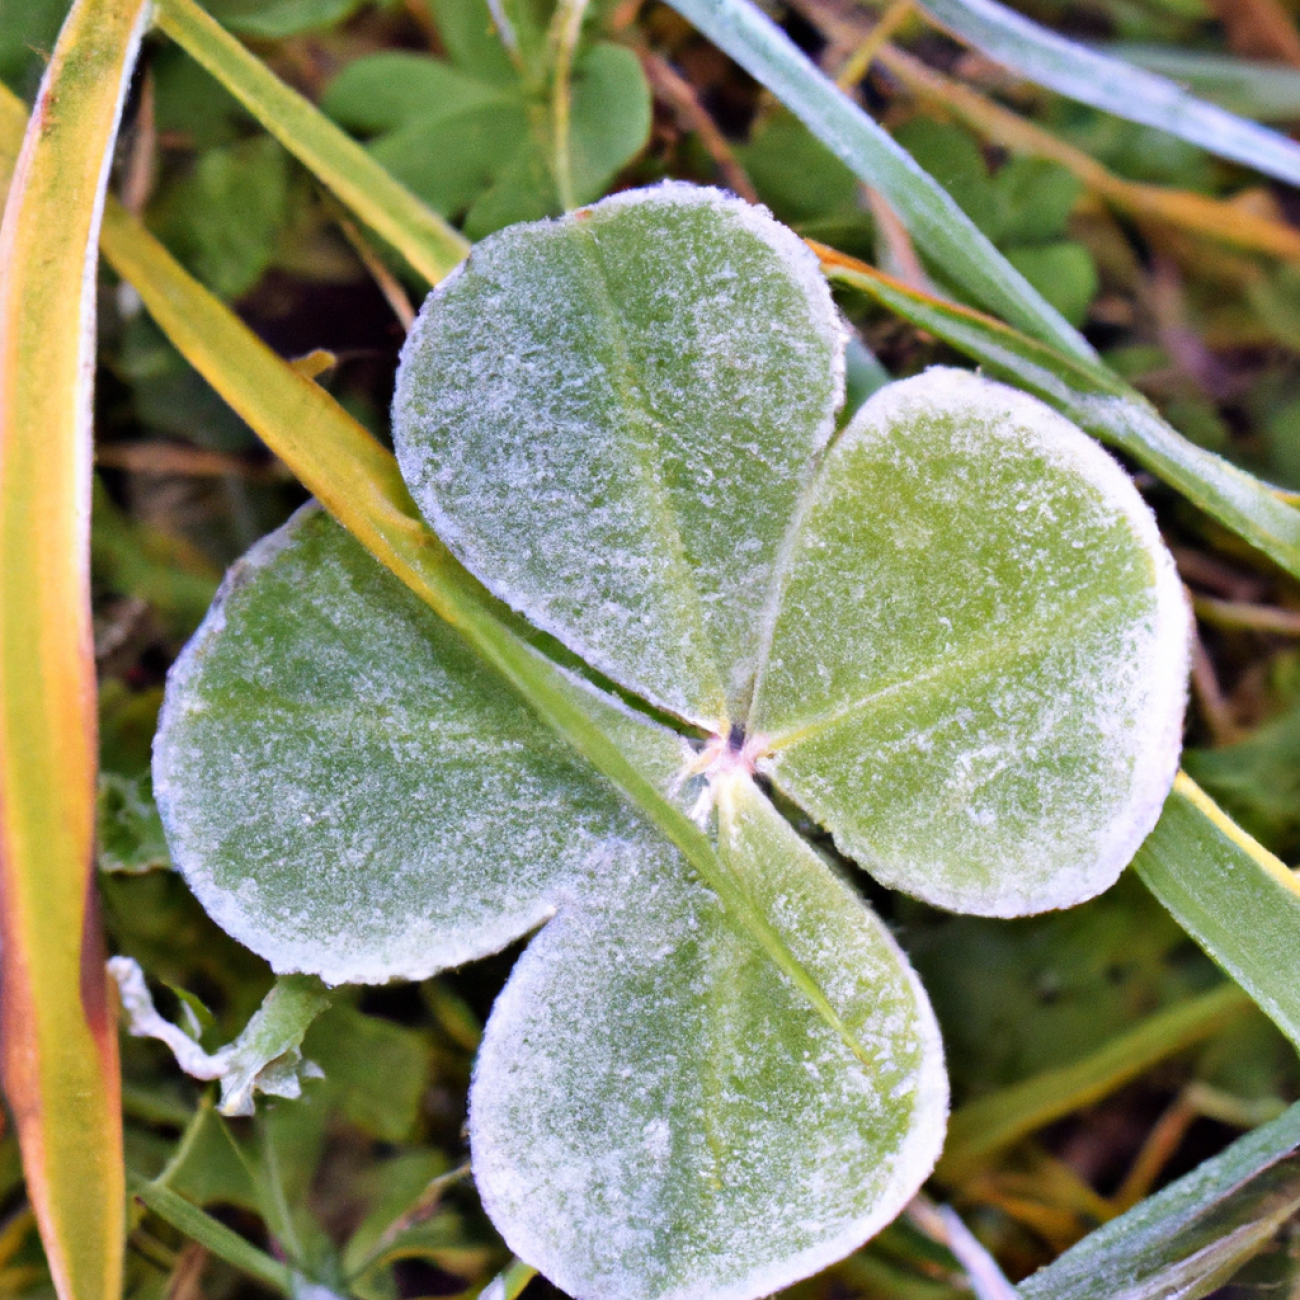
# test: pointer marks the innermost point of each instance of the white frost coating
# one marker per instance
(656, 1114)
(756, 218)
(978, 674)
(609, 419)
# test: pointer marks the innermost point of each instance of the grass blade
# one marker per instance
(984, 1127)
(940, 229)
(1117, 87)
(1191, 1236)
(213, 1235)
(1182, 209)
(1098, 401)
(1269, 92)
(358, 482)
(1231, 895)
(427, 242)
(59, 1038)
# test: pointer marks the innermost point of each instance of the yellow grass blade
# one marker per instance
(58, 1042)
(427, 242)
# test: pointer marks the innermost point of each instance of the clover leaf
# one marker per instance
(948, 634)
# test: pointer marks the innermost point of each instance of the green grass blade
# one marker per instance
(213, 1235)
(1269, 92)
(1231, 895)
(358, 482)
(940, 229)
(1098, 401)
(1191, 1236)
(1117, 87)
(58, 1039)
(510, 1282)
(982, 1128)
(427, 242)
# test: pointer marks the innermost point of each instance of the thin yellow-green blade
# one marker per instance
(431, 246)
(1239, 902)
(59, 1041)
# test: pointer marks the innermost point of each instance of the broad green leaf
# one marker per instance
(443, 132)
(353, 789)
(468, 142)
(1024, 209)
(1194, 1234)
(207, 1166)
(1100, 402)
(977, 687)
(603, 457)
(939, 228)
(1063, 272)
(654, 1112)
(803, 183)
(1257, 781)
(1232, 896)
(347, 790)
(394, 89)
(610, 116)
(471, 36)
(398, 1185)
(1094, 78)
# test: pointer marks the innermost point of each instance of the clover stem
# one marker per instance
(566, 27)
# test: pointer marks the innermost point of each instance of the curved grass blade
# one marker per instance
(358, 482)
(1194, 1234)
(214, 1236)
(940, 229)
(1100, 402)
(984, 1127)
(427, 242)
(1231, 895)
(59, 1040)
(1116, 87)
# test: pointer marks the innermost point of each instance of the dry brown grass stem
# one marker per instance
(1225, 221)
(678, 93)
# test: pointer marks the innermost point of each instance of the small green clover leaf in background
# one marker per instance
(470, 134)
(948, 633)
(1024, 207)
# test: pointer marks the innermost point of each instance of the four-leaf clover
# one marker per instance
(947, 634)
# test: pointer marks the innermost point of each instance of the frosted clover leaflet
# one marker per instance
(948, 633)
